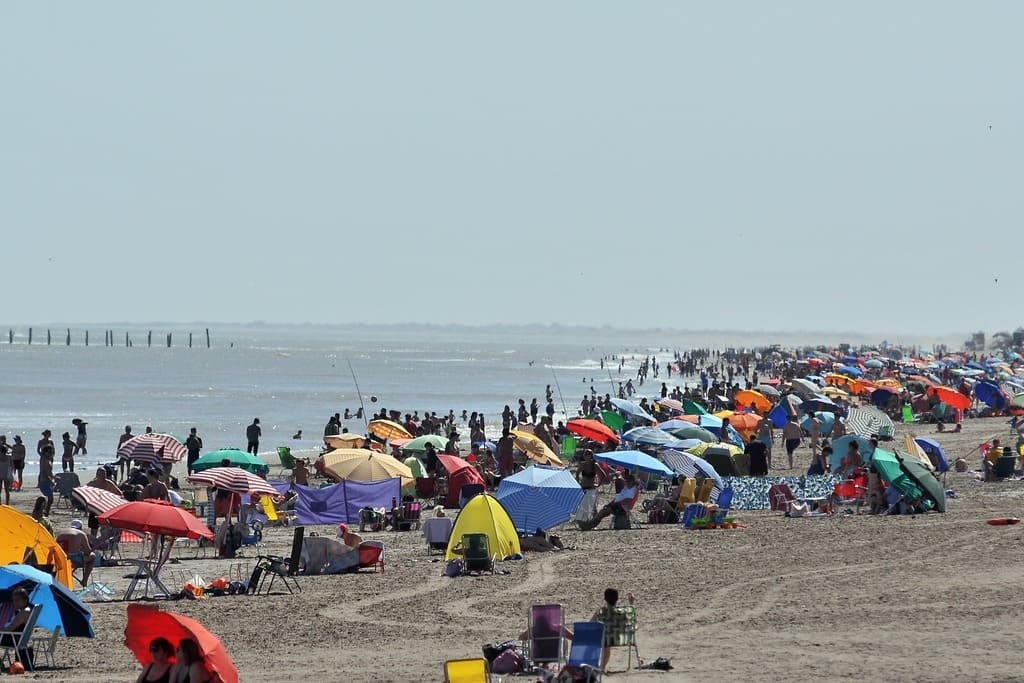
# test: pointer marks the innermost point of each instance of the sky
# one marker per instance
(731, 166)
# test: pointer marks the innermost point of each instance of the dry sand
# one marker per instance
(923, 598)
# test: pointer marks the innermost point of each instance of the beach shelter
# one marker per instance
(460, 473)
(934, 451)
(540, 497)
(235, 457)
(924, 478)
(20, 533)
(484, 514)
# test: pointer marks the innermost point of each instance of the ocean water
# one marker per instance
(295, 377)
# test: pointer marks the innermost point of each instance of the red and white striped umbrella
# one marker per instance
(97, 501)
(154, 448)
(234, 479)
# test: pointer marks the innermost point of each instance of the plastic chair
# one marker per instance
(587, 646)
(704, 495)
(569, 447)
(66, 482)
(284, 454)
(691, 512)
(466, 671)
(544, 643)
(476, 553)
(22, 642)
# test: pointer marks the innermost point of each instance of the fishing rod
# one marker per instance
(366, 423)
(560, 397)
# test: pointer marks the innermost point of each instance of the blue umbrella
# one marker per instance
(634, 460)
(60, 606)
(850, 370)
(826, 419)
(632, 409)
(682, 444)
(841, 445)
(649, 436)
(990, 394)
(731, 435)
(672, 425)
(539, 497)
(934, 452)
(690, 465)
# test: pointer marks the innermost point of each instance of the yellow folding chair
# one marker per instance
(687, 493)
(466, 671)
(704, 495)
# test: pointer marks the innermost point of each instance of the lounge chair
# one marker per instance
(687, 494)
(476, 553)
(437, 531)
(620, 631)
(725, 496)
(22, 650)
(585, 652)
(544, 643)
(276, 567)
(466, 671)
(704, 494)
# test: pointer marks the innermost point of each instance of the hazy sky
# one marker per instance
(760, 165)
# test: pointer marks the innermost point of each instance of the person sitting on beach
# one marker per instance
(621, 505)
(853, 460)
(819, 462)
(159, 670)
(39, 511)
(190, 667)
(614, 623)
(300, 473)
(349, 537)
(13, 628)
(76, 544)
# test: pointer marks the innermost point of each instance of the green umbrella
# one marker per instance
(693, 408)
(419, 444)
(613, 419)
(238, 458)
(925, 479)
(695, 432)
(889, 469)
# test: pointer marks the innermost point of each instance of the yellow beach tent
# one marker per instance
(483, 514)
(19, 533)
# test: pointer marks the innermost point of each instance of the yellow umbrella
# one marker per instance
(835, 392)
(345, 440)
(699, 449)
(360, 464)
(723, 413)
(914, 449)
(386, 429)
(535, 449)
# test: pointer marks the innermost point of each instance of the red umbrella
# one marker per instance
(592, 429)
(146, 622)
(234, 479)
(156, 517)
(152, 448)
(97, 501)
(951, 397)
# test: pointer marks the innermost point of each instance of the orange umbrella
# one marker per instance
(951, 397)
(386, 429)
(147, 622)
(744, 422)
(852, 385)
(755, 399)
(592, 429)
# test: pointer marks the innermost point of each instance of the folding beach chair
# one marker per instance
(587, 646)
(275, 566)
(704, 495)
(687, 494)
(46, 646)
(466, 671)
(779, 496)
(20, 650)
(284, 454)
(436, 532)
(476, 553)
(620, 631)
(408, 517)
(544, 643)
(724, 501)
(66, 482)
(371, 555)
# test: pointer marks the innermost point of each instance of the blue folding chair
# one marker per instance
(587, 646)
(725, 498)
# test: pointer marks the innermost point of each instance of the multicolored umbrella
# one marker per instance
(152, 448)
(234, 479)
(147, 622)
(97, 501)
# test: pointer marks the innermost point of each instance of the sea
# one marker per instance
(294, 377)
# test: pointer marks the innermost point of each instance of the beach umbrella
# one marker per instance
(235, 458)
(707, 421)
(631, 409)
(1018, 400)
(156, 517)
(951, 397)
(881, 396)
(804, 387)
(925, 479)
(689, 465)
(694, 432)
(727, 461)
(700, 449)
(613, 419)
(152, 448)
(347, 440)
(415, 466)
(850, 371)
(648, 436)
(234, 479)
(387, 429)
(834, 392)
(592, 429)
(753, 399)
(60, 606)
(841, 445)
(672, 425)
(361, 464)
(419, 444)
(868, 421)
(669, 404)
(633, 460)
(534, 448)
(935, 453)
(745, 422)
(888, 467)
(874, 363)
(826, 422)
(991, 395)
(23, 538)
(682, 444)
(148, 622)
(819, 404)
(97, 501)
(768, 390)
(691, 407)
(540, 497)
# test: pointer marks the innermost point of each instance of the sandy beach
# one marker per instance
(927, 598)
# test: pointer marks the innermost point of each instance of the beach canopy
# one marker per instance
(235, 457)
(20, 533)
(60, 607)
(540, 497)
(147, 622)
(484, 514)
(634, 460)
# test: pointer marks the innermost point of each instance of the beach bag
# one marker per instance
(508, 662)
(492, 650)
(454, 568)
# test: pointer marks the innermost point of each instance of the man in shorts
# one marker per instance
(792, 435)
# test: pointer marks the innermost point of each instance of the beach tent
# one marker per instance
(460, 473)
(540, 497)
(20, 532)
(484, 514)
